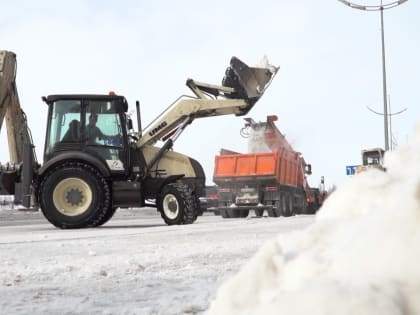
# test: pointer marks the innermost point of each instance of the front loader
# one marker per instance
(86, 177)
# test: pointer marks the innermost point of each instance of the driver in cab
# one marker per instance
(92, 131)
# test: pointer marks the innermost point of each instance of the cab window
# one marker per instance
(65, 126)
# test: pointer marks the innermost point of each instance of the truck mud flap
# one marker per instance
(249, 82)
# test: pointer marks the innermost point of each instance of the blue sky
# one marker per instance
(328, 53)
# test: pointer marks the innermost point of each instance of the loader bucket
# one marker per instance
(249, 82)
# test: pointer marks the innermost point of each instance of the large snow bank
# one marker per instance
(361, 256)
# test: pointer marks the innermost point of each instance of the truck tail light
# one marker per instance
(271, 188)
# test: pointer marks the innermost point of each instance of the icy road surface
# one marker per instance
(135, 264)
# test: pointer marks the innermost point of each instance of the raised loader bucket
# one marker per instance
(248, 82)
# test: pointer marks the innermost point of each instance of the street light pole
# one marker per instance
(384, 81)
(380, 8)
(390, 114)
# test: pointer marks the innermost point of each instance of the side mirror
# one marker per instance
(308, 169)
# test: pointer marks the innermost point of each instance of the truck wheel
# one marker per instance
(243, 213)
(275, 211)
(224, 214)
(74, 195)
(233, 213)
(176, 204)
(283, 205)
(259, 212)
(289, 205)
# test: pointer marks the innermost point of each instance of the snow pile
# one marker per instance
(361, 256)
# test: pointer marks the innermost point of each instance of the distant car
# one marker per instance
(210, 201)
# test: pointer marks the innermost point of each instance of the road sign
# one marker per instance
(351, 169)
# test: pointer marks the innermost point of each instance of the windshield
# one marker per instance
(372, 158)
(92, 123)
(103, 124)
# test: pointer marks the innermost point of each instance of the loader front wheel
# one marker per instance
(176, 204)
(74, 195)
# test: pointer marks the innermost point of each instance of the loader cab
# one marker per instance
(91, 124)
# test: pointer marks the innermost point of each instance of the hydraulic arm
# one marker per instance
(241, 88)
(17, 128)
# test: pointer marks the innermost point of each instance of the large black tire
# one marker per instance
(259, 212)
(74, 195)
(273, 212)
(233, 213)
(243, 213)
(278, 208)
(176, 204)
(288, 200)
(285, 209)
(108, 215)
(224, 214)
(300, 204)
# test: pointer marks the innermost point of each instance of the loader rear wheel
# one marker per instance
(176, 204)
(108, 215)
(74, 195)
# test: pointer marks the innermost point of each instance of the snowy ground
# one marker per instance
(133, 265)
(358, 255)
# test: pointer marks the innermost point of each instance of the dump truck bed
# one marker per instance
(280, 166)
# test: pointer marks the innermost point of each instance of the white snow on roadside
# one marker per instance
(361, 256)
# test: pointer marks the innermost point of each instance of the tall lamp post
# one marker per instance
(390, 114)
(381, 7)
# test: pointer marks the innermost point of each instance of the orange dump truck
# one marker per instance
(271, 177)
